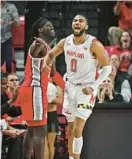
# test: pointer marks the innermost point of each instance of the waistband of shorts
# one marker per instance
(80, 84)
(52, 116)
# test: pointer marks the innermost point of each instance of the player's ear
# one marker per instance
(86, 27)
(40, 30)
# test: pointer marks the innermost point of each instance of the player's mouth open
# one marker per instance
(52, 32)
(77, 28)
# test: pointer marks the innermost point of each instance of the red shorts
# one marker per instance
(34, 105)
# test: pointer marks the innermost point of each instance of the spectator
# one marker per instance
(122, 9)
(15, 144)
(9, 18)
(121, 79)
(106, 92)
(124, 51)
(6, 103)
(8, 131)
(5, 129)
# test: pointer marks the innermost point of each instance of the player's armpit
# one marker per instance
(57, 50)
(98, 49)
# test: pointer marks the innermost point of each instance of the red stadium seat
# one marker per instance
(109, 49)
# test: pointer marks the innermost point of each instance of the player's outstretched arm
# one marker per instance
(57, 50)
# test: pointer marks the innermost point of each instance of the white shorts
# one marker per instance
(76, 103)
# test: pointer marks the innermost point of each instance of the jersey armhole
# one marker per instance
(92, 53)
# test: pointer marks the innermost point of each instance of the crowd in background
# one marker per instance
(116, 88)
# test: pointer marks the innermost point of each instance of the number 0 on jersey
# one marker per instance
(73, 65)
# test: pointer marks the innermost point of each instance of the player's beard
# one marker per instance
(79, 34)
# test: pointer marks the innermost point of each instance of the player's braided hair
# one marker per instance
(39, 23)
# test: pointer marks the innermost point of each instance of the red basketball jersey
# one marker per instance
(33, 75)
(34, 90)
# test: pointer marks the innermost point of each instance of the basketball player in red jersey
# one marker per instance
(82, 54)
(33, 92)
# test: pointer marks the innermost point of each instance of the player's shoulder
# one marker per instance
(68, 39)
(91, 37)
(97, 43)
(94, 40)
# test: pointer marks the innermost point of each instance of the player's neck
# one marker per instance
(48, 41)
(79, 40)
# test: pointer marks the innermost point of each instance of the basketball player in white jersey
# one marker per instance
(82, 52)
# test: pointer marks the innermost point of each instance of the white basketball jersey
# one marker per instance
(81, 65)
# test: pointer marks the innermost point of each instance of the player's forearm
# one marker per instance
(49, 59)
(57, 101)
(106, 70)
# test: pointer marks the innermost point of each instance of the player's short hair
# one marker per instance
(83, 15)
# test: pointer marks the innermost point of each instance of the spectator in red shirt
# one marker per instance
(124, 11)
(124, 51)
(14, 144)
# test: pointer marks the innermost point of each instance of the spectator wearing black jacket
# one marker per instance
(14, 116)
(6, 103)
(120, 79)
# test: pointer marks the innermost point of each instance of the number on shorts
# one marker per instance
(73, 65)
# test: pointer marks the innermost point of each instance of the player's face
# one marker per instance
(48, 30)
(79, 25)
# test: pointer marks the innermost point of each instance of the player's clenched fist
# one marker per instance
(88, 90)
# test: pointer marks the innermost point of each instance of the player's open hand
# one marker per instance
(88, 90)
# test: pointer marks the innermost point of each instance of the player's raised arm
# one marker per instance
(57, 50)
